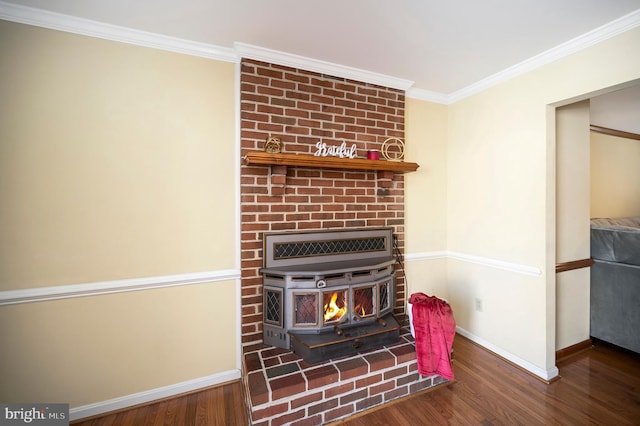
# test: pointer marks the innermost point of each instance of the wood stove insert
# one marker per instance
(329, 293)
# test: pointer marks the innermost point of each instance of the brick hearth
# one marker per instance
(281, 388)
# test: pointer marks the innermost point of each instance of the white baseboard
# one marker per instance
(546, 375)
(120, 403)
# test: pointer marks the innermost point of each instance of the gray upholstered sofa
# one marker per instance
(615, 281)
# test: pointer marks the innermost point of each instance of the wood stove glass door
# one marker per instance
(386, 298)
(305, 309)
(363, 302)
(335, 306)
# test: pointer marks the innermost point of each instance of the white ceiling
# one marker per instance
(442, 46)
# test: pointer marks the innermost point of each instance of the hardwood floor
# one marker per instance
(220, 405)
(600, 386)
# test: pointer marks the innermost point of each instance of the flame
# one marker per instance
(360, 310)
(364, 298)
(331, 309)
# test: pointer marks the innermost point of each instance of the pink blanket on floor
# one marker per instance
(434, 329)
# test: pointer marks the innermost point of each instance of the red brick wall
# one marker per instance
(303, 108)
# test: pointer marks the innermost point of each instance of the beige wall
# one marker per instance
(116, 162)
(501, 195)
(498, 169)
(426, 197)
(615, 176)
(93, 349)
(496, 210)
(572, 223)
(98, 138)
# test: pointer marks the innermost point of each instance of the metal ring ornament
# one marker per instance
(273, 145)
(393, 149)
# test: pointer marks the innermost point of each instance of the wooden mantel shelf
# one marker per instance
(306, 160)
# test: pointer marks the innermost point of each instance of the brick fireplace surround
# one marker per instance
(302, 108)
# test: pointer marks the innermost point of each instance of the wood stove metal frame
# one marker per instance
(320, 261)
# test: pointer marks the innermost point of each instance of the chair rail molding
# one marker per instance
(484, 261)
(42, 294)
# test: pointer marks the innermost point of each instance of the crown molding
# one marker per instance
(600, 34)
(87, 27)
(428, 96)
(295, 61)
(71, 24)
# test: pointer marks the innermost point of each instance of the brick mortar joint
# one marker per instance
(354, 380)
(377, 111)
(383, 395)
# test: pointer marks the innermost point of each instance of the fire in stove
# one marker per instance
(326, 294)
(363, 301)
(334, 309)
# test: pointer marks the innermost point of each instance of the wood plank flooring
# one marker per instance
(600, 386)
(220, 405)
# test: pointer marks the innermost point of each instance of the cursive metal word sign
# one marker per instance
(324, 150)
